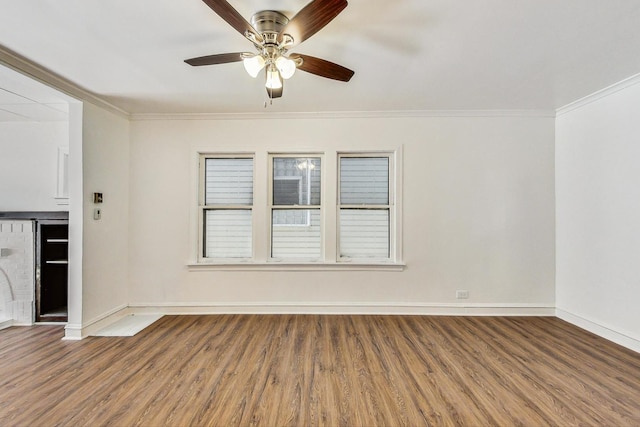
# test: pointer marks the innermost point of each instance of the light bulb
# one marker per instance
(274, 81)
(286, 66)
(253, 65)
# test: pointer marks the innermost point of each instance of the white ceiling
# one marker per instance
(408, 55)
(23, 99)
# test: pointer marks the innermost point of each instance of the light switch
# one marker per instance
(97, 213)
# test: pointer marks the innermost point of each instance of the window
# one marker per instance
(364, 207)
(295, 208)
(227, 207)
(329, 210)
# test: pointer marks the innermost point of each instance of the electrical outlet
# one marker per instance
(462, 294)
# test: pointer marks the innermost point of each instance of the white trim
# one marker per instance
(288, 266)
(72, 332)
(18, 63)
(22, 323)
(393, 206)
(5, 323)
(602, 93)
(24, 66)
(343, 115)
(76, 219)
(77, 332)
(62, 180)
(201, 186)
(600, 330)
(347, 308)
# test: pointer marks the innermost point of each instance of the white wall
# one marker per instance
(598, 215)
(478, 214)
(105, 161)
(28, 165)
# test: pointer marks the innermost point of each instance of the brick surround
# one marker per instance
(17, 272)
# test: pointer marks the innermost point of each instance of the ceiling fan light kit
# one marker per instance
(273, 34)
(253, 64)
(274, 79)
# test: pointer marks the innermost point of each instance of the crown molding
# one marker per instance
(344, 115)
(602, 93)
(24, 66)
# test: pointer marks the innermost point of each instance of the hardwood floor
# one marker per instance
(306, 370)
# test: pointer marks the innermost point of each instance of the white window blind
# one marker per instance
(364, 208)
(295, 208)
(229, 182)
(364, 233)
(364, 181)
(228, 233)
(293, 241)
(227, 209)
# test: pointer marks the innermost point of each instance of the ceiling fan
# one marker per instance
(273, 34)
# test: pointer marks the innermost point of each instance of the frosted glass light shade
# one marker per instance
(253, 65)
(286, 66)
(274, 81)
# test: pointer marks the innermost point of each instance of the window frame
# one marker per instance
(329, 216)
(390, 206)
(270, 208)
(203, 207)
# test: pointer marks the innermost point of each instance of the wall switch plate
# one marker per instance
(462, 294)
(97, 213)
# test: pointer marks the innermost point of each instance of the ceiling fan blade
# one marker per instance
(220, 58)
(233, 17)
(311, 19)
(323, 68)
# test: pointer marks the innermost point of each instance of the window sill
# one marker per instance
(281, 266)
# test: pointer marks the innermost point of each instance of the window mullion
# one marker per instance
(329, 202)
(261, 223)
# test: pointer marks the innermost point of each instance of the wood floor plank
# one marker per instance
(314, 370)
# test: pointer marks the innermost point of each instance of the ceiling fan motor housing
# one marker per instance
(269, 23)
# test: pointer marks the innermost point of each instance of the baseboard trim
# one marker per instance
(357, 309)
(600, 330)
(74, 331)
(5, 323)
(78, 332)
